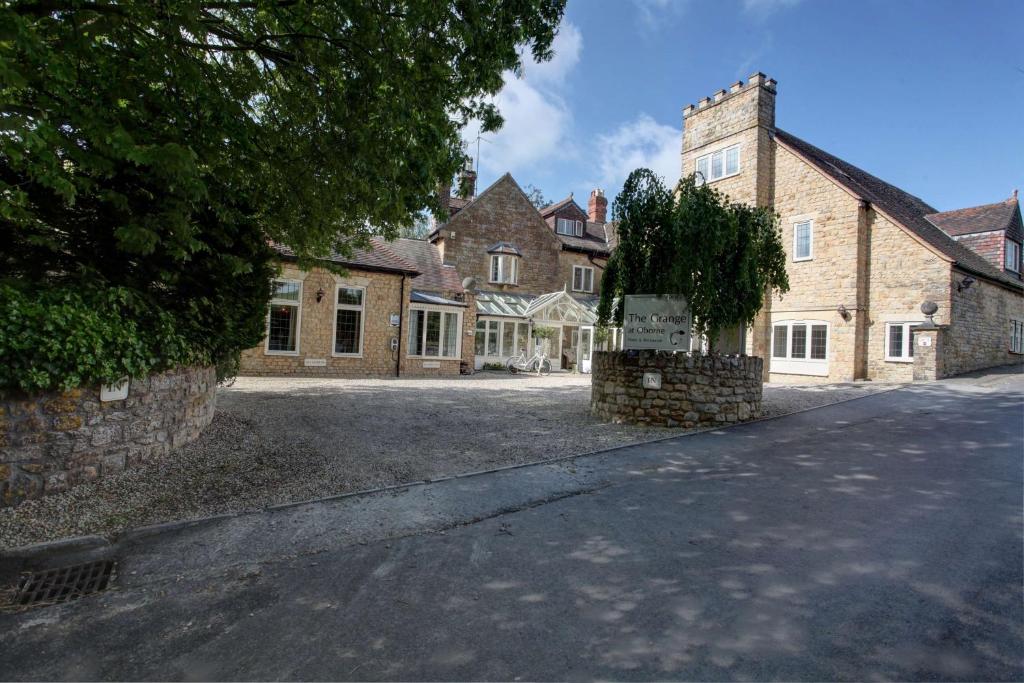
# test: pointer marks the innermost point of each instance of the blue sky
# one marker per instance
(928, 95)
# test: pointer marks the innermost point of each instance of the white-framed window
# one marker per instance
(800, 347)
(568, 226)
(434, 333)
(582, 279)
(1016, 336)
(349, 319)
(718, 165)
(501, 338)
(1012, 257)
(504, 269)
(899, 341)
(283, 319)
(803, 241)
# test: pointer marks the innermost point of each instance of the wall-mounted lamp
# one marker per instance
(843, 313)
(320, 294)
(965, 283)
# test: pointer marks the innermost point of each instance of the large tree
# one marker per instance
(157, 146)
(724, 258)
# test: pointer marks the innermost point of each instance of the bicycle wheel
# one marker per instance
(545, 368)
(511, 366)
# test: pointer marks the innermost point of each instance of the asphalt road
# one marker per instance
(875, 539)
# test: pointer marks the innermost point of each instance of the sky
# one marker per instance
(925, 94)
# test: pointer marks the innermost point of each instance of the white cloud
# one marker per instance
(640, 143)
(653, 14)
(568, 45)
(537, 117)
(765, 7)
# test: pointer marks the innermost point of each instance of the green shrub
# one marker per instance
(60, 339)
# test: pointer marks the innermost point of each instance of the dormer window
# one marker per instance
(1012, 258)
(504, 269)
(718, 165)
(570, 227)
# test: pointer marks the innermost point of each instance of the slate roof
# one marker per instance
(593, 240)
(904, 208)
(1004, 216)
(377, 256)
(504, 248)
(551, 208)
(434, 276)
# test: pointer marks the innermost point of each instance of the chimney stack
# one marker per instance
(467, 180)
(597, 207)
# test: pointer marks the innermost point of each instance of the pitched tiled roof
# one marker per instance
(434, 276)
(999, 216)
(378, 255)
(593, 240)
(551, 208)
(504, 248)
(904, 208)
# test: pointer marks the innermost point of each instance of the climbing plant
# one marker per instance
(723, 257)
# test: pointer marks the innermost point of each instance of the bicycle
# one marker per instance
(538, 363)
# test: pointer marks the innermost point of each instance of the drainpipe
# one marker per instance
(401, 323)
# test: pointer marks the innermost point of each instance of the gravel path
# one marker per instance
(279, 440)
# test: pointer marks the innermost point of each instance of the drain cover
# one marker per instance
(51, 586)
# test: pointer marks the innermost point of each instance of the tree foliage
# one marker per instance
(722, 257)
(536, 196)
(156, 147)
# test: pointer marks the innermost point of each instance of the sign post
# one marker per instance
(656, 322)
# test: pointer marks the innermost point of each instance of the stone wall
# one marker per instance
(503, 214)
(314, 356)
(979, 331)
(568, 259)
(695, 389)
(51, 442)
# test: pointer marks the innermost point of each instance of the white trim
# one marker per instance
(724, 151)
(349, 307)
(806, 365)
(583, 279)
(428, 308)
(906, 344)
(1007, 243)
(1016, 335)
(513, 259)
(298, 319)
(810, 240)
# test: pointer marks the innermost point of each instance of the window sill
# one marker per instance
(898, 360)
(280, 353)
(583, 291)
(805, 258)
(346, 355)
(447, 358)
(495, 282)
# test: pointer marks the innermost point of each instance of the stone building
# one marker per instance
(531, 268)
(862, 255)
(397, 311)
(401, 308)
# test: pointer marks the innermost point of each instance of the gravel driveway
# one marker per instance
(280, 440)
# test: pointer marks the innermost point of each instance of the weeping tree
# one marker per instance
(150, 150)
(724, 258)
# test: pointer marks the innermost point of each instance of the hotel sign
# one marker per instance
(653, 322)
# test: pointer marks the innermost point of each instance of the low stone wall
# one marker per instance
(51, 442)
(695, 390)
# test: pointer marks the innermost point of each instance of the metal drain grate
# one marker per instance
(51, 586)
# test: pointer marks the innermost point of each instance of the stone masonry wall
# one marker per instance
(695, 389)
(979, 330)
(316, 328)
(503, 214)
(568, 259)
(51, 442)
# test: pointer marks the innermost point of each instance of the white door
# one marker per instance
(586, 348)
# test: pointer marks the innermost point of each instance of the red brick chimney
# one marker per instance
(597, 207)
